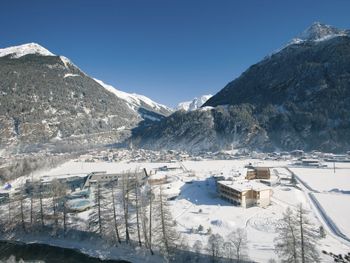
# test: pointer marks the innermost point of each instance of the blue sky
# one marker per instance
(170, 51)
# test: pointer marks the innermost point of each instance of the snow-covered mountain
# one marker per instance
(25, 49)
(45, 98)
(194, 104)
(297, 98)
(136, 101)
(319, 32)
(31, 49)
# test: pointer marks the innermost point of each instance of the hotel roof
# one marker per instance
(245, 185)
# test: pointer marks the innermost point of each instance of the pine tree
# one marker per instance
(286, 244)
(297, 238)
(166, 234)
(308, 237)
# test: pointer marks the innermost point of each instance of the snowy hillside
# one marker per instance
(136, 101)
(194, 104)
(62, 102)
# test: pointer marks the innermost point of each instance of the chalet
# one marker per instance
(245, 193)
(258, 173)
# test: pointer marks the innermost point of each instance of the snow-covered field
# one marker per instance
(325, 179)
(337, 208)
(198, 204)
(331, 190)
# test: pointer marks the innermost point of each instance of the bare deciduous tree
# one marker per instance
(238, 240)
(197, 248)
(215, 246)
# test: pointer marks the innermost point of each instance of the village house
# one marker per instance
(245, 193)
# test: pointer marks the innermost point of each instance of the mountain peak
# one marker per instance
(318, 32)
(25, 49)
(196, 103)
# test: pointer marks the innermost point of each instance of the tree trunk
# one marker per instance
(64, 217)
(41, 210)
(31, 208)
(126, 206)
(294, 244)
(99, 209)
(115, 215)
(22, 214)
(150, 222)
(9, 212)
(301, 234)
(137, 211)
(144, 224)
(164, 234)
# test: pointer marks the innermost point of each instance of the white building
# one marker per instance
(245, 193)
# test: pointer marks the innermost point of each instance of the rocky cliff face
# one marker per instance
(47, 99)
(298, 97)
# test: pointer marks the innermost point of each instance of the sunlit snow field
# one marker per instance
(198, 203)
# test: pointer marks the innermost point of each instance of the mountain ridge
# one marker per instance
(297, 98)
(46, 99)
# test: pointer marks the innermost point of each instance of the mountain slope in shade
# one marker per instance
(297, 98)
(45, 98)
(193, 104)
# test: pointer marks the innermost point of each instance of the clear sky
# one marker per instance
(170, 51)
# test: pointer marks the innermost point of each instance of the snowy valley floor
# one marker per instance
(197, 202)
